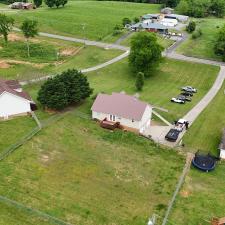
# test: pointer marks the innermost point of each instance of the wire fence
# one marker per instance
(32, 211)
(19, 143)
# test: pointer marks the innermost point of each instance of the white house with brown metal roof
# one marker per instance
(128, 111)
(13, 100)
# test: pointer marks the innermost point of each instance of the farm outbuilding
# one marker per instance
(21, 5)
(180, 18)
(167, 10)
(151, 27)
(222, 146)
(151, 16)
(122, 109)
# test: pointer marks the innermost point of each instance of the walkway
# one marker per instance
(192, 115)
(100, 66)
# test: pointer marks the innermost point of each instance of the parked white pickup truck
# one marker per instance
(181, 125)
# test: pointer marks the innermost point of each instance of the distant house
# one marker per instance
(151, 16)
(151, 27)
(13, 100)
(222, 146)
(169, 22)
(21, 5)
(180, 18)
(131, 113)
(167, 10)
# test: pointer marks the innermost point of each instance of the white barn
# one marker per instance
(13, 100)
(131, 113)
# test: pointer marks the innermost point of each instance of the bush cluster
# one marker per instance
(64, 89)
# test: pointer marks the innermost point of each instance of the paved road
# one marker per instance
(125, 36)
(177, 56)
(195, 112)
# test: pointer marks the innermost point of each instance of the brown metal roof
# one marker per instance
(11, 86)
(121, 105)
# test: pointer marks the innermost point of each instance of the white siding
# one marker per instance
(146, 119)
(139, 125)
(12, 105)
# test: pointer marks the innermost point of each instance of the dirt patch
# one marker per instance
(15, 37)
(4, 65)
(44, 158)
(185, 193)
(70, 51)
(67, 52)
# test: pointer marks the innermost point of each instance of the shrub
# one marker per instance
(139, 81)
(126, 21)
(197, 34)
(136, 19)
(191, 27)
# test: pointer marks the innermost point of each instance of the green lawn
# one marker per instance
(158, 89)
(97, 17)
(13, 130)
(206, 132)
(161, 87)
(88, 175)
(203, 46)
(201, 198)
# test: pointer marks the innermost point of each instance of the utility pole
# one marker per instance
(83, 28)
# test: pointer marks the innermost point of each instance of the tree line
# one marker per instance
(201, 8)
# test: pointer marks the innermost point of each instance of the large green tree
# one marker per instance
(170, 3)
(6, 24)
(201, 8)
(145, 53)
(220, 43)
(38, 3)
(218, 7)
(64, 89)
(29, 29)
(57, 3)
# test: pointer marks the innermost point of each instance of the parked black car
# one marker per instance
(172, 135)
(184, 98)
(188, 94)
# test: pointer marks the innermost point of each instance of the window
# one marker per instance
(112, 118)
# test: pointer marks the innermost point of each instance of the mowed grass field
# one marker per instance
(164, 84)
(203, 47)
(205, 134)
(13, 130)
(76, 171)
(201, 198)
(85, 19)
